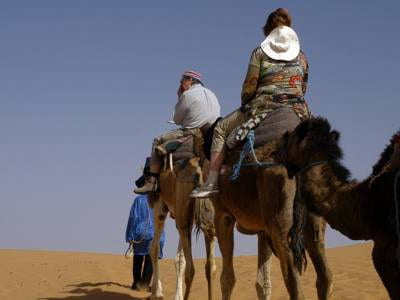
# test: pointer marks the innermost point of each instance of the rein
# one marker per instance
(313, 164)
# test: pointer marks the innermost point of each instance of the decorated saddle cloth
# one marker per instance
(275, 124)
(184, 147)
(260, 140)
(178, 154)
(267, 126)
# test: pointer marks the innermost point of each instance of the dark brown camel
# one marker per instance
(365, 210)
(261, 201)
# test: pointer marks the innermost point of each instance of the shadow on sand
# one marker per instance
(93, 291)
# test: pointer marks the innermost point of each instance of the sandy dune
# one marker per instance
(60, 275)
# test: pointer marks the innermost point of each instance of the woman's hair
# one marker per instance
(278, 17)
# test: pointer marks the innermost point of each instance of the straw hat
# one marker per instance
(281, 44)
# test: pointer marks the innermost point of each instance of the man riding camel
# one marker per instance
(197, 108)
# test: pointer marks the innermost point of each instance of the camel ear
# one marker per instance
(335, 136)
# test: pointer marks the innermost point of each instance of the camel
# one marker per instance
(175, 186)
(174, 198)
(365, 210)
(261, 202)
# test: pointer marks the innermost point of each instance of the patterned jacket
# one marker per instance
(270, 83)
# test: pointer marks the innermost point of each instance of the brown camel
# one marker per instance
(365, 210)
(262, 201)
(175, 187)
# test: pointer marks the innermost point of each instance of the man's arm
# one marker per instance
(181, 109)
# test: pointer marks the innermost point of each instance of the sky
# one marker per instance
(86, 85)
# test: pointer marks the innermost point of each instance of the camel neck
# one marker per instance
(343, 204)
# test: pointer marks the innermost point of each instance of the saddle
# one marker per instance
(268, 129)
(182, 152)
(183, 148)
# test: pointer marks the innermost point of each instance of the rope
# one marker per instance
(396, 205)
(130, 251)
(248, 147)
(311, 165)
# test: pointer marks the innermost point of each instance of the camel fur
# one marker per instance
(173, 198)
(365, 210)
(261, 202)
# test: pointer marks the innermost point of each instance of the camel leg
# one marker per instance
(210, 266)
(263, 283)
(186, 238)
(160, 211)
(224, 227)
(384, 258)
(283, 192)
(290, 274)
(184, 223)
(283, 223)
(314, 236)
(180, 265)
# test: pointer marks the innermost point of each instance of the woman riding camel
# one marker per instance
(276, 76)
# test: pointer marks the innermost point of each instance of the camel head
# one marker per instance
(311, 141)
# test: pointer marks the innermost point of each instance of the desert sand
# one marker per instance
(29, 275)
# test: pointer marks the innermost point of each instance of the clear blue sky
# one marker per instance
(86, 85)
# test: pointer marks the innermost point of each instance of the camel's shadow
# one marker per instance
(93, 291)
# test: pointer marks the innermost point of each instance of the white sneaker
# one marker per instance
(204, 191)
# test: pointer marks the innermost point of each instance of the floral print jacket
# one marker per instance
(271, 83)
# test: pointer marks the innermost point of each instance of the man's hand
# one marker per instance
(180, 91)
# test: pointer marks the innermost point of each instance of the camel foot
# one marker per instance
(157, 294)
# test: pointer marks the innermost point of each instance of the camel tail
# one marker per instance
(204, 217)
(296, 236)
